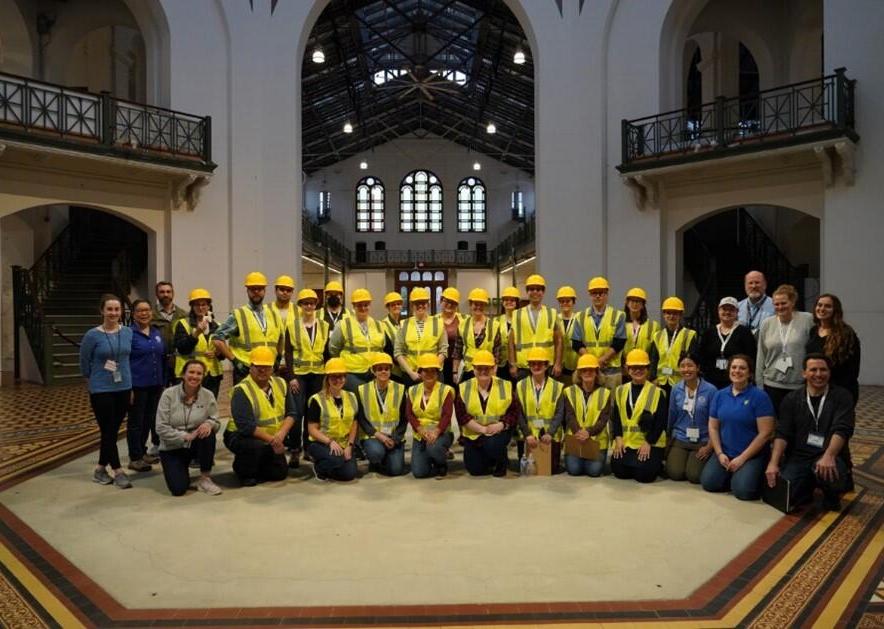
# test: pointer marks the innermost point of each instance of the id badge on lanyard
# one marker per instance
(815, 438)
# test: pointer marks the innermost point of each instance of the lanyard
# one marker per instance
(636, 330)
(116, 354)
(754, 312)
(784, 336)
(587, 397)
(539, 393)
(419, 328)
(334, 317)
(724, 341)
(819, 411)
(570, 324)
(667, 344)
(532, 318)
(690, 403)
(262, 321)
(310, 331)
(382, 399)
(363, 327)
(631, 401)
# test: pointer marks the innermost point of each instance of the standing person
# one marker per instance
(741, 423)
(567, 298)
(163, 317)
(487, 412)
(382, 419)
(333, 309)
(253, 325)
(689, 446)
(193, 340)
(640, 329)
(331, 421)
(601, 332)
(509, 300)
(638, 423)
(670, 344)
(757, 306)
(722, 341)
(451, 319)
(831, 336)
(429, 409)
(356, 339)
(419, 335)
(187, 420)
(782, 340)
(587, 412)
(147, 366)
(287, 314)
(392, 322)
(104, 361)
(543, 411)
(534, 325)
(477, 332)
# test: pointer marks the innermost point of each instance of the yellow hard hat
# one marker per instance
(587, 361)
(673, 303)
(380, 358)
(451, 294)
(637, 358)
(428, 361)
(598, 283)
(419, 293)
(255, 278)
(285, 281)
(262, 357)
(199, 293)
(483, 358)
(360, 295)
(538, 354)
(392, 298)
(335, 365)
(479, 295)
(566, 292)
(334, 287)
(535, 280)
(307, 293)
(637, 293)
(510, 292)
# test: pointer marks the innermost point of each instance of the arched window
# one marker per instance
(420, 202)
(370, 205)
(471, 205)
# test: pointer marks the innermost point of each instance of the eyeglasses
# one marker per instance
(284, 289)
(420, 304)
(598, 293)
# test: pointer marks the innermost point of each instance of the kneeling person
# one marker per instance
(331, 423)
(542, 407)
(429, 408)
(382, 419)
(587, 411)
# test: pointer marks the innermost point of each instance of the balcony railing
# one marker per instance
(421, 257)
(792, 114)
(519, 244)
(320, 243)
(52, 115)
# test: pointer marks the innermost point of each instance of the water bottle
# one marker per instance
(531, 467)
(523, 465)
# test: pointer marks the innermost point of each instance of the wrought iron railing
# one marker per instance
(780, 116)
(419, 257)
(705, 273)
(765, 254)
(519, 243)
(28, 317)
(46, 113)
(313, 234)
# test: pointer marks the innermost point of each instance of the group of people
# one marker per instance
(329, 384)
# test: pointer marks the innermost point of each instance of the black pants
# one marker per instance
(109, 409)
(486, 455)
(329, 465)
(176, 463)
(628, 466)
(310, 385)
(142, 420)
(253, 458)
(803, 480)
(776, 394)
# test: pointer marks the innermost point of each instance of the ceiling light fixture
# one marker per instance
(363, 165)
(318, 56)
(519, 57)
(477, 166)
(491, 129)
(348, 128)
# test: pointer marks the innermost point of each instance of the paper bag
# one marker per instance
(543, 459)
(588, 449)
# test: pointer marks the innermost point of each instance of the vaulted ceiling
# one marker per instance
(396, 68)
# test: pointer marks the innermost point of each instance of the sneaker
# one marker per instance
(150, 459)
(207, 486)
(139, 465)
(194, 464)
(102, 477)
(249, 482)
(121, 480)
(153, 451)
(318, 476)
(294, 461)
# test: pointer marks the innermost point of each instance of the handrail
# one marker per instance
(765, 252)
(700, 317)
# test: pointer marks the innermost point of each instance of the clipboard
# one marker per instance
(779, 496)
(588, 449)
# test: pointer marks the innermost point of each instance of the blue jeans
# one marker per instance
(486, 455)
(576, 466)
(431, 460)
(390, 462)
(745, 483)
(330, 465)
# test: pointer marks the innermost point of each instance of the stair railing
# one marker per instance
(766, 255)
(705, 312)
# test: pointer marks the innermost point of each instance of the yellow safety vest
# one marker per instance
(598, 341)
(359, 347)
(569, 356)
(384, 419)
(527, 336)
(430, 415)
(288, 322)
(251, 335)
(323, 314)
(587, 411)
(648, 399)
(492, 329)
(335, 423)
(643, 339)
(500, 396)
(426, 343)
(309, 357)
(670, 353)
(391, 329)
(203, 347)
(539, 415)
(269, 416)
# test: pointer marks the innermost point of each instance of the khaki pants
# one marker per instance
(682, 462)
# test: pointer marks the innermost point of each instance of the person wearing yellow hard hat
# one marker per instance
(543, 411)
(333, 309)
(601, 332)
(451, 320)
(567, 298)
(356, 338)
(535, 325)
(420, 335)
(331, 421)
(640, 329)
(477, 332)
(587, 412)
(285, 309)
(247, 327)
(670, 344)
(392, 322)
(638, 423)
(262, 412)
(487, 412)
(193, 339)
(509, 301)
(429, 409)
(382, 419)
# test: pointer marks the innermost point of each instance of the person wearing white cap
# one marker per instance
(718, 343)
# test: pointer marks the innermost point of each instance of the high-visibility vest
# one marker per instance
(417, 344)
(669, 353)
(287, 319)
(648, 400)
(527, 336)
(500, 396)
(268, 416)
(391, 329)
(587, 410)
(569, 356)
(539, 415)
(331, 321)
(359, 347)
(598, 340)
(384, 419)
(492, 329)
(309, 357)
(334, 422)
(251, 335)
(430, 415)
(644, 337)
(204, 351)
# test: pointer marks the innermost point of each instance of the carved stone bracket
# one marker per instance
(188, 191)
(645, 191)
(2, 149)
(847, 154)
(838, 161)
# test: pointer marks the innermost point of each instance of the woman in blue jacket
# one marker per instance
(689, 423)
(147, 367)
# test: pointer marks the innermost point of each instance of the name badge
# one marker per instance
(721, 363)
(118, 377)
(538, 423)
(666, 371)
(783, 364)
(815, 440)
(693, 434)
(110, 365)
